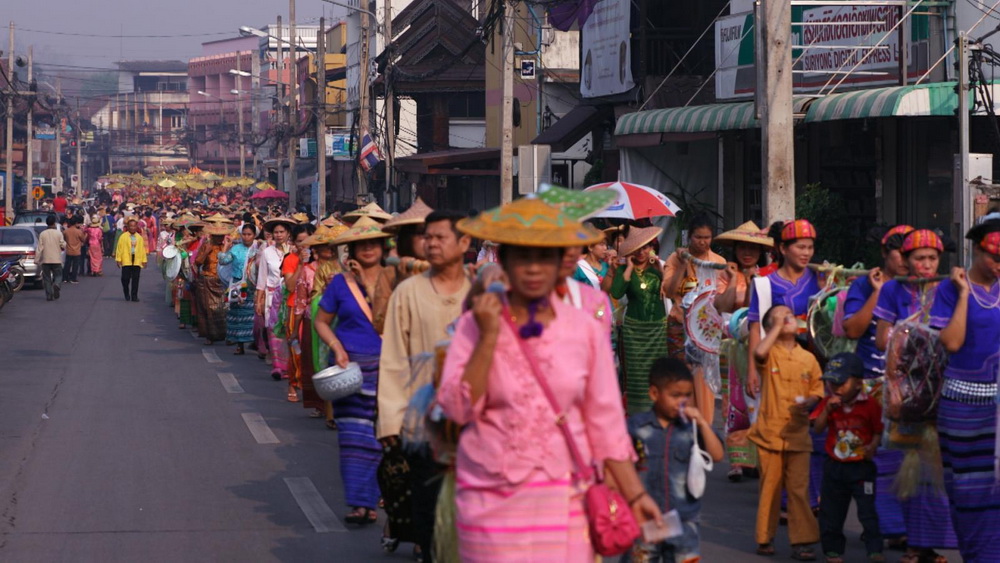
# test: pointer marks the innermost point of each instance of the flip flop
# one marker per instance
(765, 549)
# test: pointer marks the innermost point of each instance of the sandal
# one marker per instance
(765, 549)
(356, 516)
(930, 555)
(833, 557)
(803, 553)
(276, 375)
(293, 397)
(331, 425)
(239, 350)
(876, 558)
(316, 413)
(372, 516)
(735, 475)
(911, 556)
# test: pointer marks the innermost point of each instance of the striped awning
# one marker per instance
(697, 119)
(937, 99)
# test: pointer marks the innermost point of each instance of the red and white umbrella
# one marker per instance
(636, 202)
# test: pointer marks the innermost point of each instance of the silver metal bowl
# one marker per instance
(335, 383)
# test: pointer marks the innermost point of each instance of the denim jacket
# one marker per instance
(662, 472)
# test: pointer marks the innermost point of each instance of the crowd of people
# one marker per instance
(492, 387)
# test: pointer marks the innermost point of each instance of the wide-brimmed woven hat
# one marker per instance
(218, 218)
(95, 221)
(323, 235)
(288, 222)
(364, 228)
(333, 222)
(578, 205)
(415, 215)
(301, 217)
(637, 238)
(529, 222)
(749, 233)
(218, 229)
(371, 210)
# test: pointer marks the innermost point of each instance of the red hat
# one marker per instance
(799, 228)
(901, 230)
(923, 238)
(991, 243)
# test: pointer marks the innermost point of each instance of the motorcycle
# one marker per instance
(17, 274)
(6, 289)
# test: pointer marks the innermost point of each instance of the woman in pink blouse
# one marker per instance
(516, 498)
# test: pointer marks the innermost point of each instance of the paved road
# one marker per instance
(119, 441)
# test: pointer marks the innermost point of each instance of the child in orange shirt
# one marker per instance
(790, 389)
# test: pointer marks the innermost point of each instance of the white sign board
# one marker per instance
(607, 57)
(843, 36)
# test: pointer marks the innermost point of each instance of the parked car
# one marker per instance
(21, 241)
(33, 217)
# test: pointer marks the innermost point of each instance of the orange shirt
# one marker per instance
(288, 267)
(788, 373)
(672, 265)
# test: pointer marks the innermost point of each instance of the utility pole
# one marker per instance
(58, 121)
(507, 122)
(774, 80)
(390, 110)
(321, 119)
(963, 199)
(281, 89)
(79, 152)
(8, 188)
(293, 176)
(29, 165)
(222, 134)
(363, 117)
(239, 117)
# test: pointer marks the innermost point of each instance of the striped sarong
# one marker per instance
(643, 342)
(968, 434)
(360, 452)
(212, 304)
(239, 322)
(538, 520)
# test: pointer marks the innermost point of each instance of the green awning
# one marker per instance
(697, 119)
(937, 99)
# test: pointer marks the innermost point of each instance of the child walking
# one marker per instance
(790, 389)
(854, 424)
(663, 437)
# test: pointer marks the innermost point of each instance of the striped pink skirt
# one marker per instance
(534, 521)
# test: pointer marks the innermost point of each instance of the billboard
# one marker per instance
(829, 40)
(606, 66)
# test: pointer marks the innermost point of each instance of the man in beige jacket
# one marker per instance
(420, 310)
(49, 254)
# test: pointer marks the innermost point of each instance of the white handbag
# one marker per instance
(699, 464)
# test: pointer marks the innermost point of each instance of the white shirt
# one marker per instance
(269, 268)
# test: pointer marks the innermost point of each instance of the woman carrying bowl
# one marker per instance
(358, 301)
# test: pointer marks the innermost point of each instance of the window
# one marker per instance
(469, 105)
(16, 237)
(176, 121)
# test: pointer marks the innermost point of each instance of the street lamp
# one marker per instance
(222, 121)
(355, 8)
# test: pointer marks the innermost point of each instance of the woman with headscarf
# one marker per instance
(637, 275)
(358, 300)
(750, 246)
(967, 310)
(240, 262)
(926, 522)
(527, 508)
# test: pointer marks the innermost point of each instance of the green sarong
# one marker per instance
(643, 342)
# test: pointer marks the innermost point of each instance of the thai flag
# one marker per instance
(370, 155)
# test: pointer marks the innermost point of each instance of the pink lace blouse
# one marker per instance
(510, 432)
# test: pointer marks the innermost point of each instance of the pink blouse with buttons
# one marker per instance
(510, 433)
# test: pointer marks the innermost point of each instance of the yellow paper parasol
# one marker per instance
(195, 185)
(265, 186)
(229, 184)
(210, 177)
(244, 182)
(116, 186)
(166, 183)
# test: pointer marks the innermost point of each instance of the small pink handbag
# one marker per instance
(613, 528)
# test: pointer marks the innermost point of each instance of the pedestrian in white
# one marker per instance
(50, 246)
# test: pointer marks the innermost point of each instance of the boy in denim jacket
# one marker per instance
(663, 437)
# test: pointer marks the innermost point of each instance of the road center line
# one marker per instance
(313, 506)
(230, 383)
(211, 356)
(259, 428)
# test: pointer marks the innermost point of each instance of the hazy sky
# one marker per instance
(139, 21)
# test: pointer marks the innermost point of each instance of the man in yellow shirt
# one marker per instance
(130, 255)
